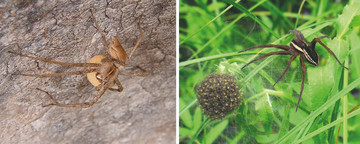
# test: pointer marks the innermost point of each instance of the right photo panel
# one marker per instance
(269, 71)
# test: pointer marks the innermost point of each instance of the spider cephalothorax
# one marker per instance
(102, 71)
(298, 47)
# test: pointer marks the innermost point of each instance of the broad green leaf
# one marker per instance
(185, 132)
(197, 118)
(345, 19)
(216, 6)
(355, 21)
(355, 56)
(186, 117)
(341, 50)
(242, 120)
(266, 138)
(263, 106)
(215, 131)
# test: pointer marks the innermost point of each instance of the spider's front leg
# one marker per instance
(312, 46)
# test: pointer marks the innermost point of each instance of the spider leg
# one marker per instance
(331, 52)
(143, 73)
(138, 42)
(100, 31)
(325, 36)
(284, 47)
(287, 67)
(302, 80)
(51, 97)
(98, 88)
(94, 100)
(103, 89)
(61, 74)
(57, 62)
(120, 87)
(266, 55)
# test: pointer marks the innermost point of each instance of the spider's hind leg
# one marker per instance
(57, 62)
(61, 74)
(55, 102)
(284, 47)
(102, 90)
(266, 55)
(120, 87)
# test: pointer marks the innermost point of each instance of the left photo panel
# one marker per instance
(87, 71)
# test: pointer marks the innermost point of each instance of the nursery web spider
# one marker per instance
(102, 71)
(298, 47)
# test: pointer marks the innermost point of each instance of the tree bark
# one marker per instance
(62, 30)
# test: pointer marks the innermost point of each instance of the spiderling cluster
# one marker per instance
(218, 95)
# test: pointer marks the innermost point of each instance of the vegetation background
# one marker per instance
(211, 34)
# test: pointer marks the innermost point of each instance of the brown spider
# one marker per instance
(298, 47)
(102, 71)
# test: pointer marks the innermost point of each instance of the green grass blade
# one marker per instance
(217, 16)
(187, 107)
(328, 126)
(189, 62)
(203, 125)
(298, 17)
(321, 109)
(223, 30)
(244, 10)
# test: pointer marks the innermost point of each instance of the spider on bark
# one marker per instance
(298, 47)
(102, 71)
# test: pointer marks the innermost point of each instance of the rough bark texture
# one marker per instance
(64, 31)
